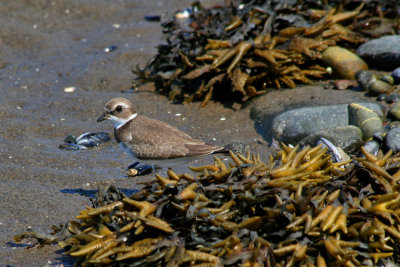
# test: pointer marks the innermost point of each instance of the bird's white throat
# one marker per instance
(119, 122)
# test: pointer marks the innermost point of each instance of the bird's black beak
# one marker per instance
(103, 117)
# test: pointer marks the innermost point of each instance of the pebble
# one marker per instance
(393, 124)
(392, 140)
(382, 53)
(364, 78)
(294, 125)
(378, 137)
(396, 76)
(387, 79)
(372, 147)
(153, 18)
(110, 48)
(369, 82)
(365, 118)
(344, 84)
(69, 89)
(394, 111)
(378, 87)
(348, 138)
(381, 97)
(392, 98)
(345, 64)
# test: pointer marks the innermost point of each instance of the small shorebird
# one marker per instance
(150, 141)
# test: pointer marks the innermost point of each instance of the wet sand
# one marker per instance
(47, 46)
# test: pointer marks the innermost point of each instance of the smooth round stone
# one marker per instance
(378, 87)
(345, 64)
(396, 76)
(365, 118)
(393, 124)
(392, 98)
(372, 147)
(364, 78)
(387, 79)
(348, 138)
(381, 97)
(378, 137)
(294, 125)
(392, 140)
(344, 84)
(394, 111)
(382, 53)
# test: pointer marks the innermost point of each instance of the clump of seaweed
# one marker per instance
(299, 208)
(239, 50)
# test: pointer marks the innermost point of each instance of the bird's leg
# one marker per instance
(155, 168)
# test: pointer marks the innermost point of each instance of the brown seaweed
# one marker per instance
(296, 209)
(247, 47)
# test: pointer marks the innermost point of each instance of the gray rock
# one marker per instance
(378, 137)
(372, 147)
(379, 87)
(364, 78)
(348, 138)
(294, 125)
(388, 79)
(392, 98)
(396, 76)
(394, 111)
(369, 81)
(365, 118)
(381, 97)
(392, 140)
(382, 53)
(393, 124)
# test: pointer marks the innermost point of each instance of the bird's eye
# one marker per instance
(118, 108)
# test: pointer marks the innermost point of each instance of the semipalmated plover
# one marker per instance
(150, 141)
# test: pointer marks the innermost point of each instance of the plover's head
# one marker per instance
(118, 110)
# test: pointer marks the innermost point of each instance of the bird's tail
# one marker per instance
(225, 149)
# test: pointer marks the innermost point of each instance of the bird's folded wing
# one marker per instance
(198, 149)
